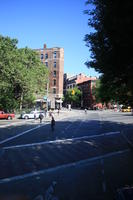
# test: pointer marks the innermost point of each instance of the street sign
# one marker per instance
(45, 97)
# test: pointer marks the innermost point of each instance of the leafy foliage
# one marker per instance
(73, 97)
(111, 44)
(21, 75)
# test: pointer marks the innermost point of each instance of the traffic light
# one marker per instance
(73, 92)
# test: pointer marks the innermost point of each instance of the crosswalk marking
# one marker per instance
(61, 141)
(89, 161)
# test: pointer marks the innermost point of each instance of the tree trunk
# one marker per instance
(21, 101)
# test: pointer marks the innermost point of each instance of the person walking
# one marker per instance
(41, 117)
(85, 111)
(52, 123)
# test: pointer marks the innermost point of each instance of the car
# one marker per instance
(126, 109)
(32, 115)
(4, 115)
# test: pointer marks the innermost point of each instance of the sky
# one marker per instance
(57, 23)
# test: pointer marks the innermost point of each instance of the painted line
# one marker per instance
(26, 121)
(54, 169)
(126, 138)
(60, 141)
(15, 123)
(20, 134)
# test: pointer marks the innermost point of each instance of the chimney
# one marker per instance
(45, 46)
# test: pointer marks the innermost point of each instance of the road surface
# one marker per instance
(88, 156)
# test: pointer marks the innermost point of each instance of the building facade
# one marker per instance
(88, 99)
(53, 58)
(85, 84)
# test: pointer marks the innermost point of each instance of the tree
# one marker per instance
(32, 77)
(21, 75)
(73, 97)
(111, 46)
(96, 91)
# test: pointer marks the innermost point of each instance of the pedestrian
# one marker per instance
(40, 117)
(35, 116)
(85, 111)
(50, 113)
(52, 123)
(45, 112)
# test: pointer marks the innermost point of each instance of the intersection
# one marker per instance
(87, 155)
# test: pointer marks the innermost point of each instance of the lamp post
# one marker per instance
(47, 97)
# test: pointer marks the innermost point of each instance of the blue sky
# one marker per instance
(58, 23)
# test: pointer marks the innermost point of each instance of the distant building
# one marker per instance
(88, 99)
(53, 58)
(69, 82)
(85, 84)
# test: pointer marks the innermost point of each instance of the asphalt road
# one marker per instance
(87, 156)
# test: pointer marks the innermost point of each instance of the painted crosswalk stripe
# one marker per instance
(54, 169)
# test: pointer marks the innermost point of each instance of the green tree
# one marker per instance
(21, 75)
(96, 91)
(111, 46)
(31, 79)
(73, 97)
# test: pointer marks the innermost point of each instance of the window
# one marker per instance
(54, 90)
(46, 56)
(54, 64)
(54, 82)
(46, 63)
(54, 73)
(54, 54)
(41, 56)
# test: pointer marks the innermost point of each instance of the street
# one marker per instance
(87, 156)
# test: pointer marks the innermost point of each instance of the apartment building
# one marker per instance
(88, 99)
(85, 84)
(53, 58)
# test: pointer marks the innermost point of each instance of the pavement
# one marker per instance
(87, 157)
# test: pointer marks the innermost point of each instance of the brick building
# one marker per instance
(53, 58)
(85, 84)
(88, 99)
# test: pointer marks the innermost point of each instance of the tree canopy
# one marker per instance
(73, 97)
(22, 75)
(111, 46)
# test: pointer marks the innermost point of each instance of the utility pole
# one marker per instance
(47, 94)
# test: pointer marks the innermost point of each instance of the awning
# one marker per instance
(59, 101)
(40, 100)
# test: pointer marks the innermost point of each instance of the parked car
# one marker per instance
(31, 115)
(4, 115)
(126, 109)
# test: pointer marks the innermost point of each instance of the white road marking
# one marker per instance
(54, 169)
(59, 141)
(14, 123)
(20, 134)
